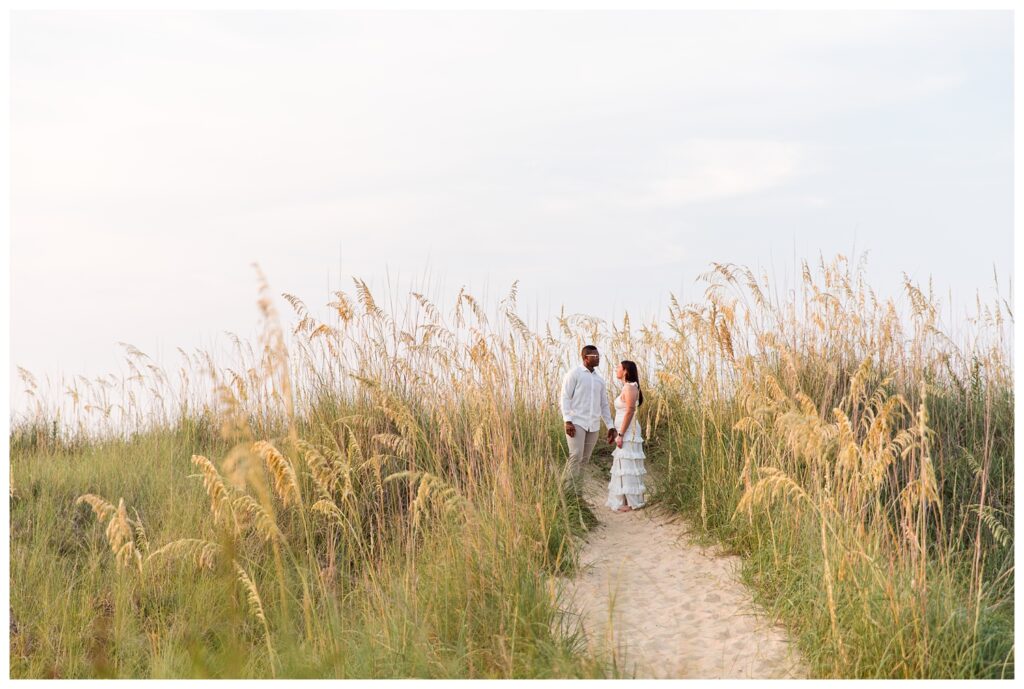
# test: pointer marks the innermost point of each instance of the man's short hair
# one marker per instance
(588, 349)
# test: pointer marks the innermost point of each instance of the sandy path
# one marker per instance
(667, 607)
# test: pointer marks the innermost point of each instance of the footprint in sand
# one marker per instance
(668, 608)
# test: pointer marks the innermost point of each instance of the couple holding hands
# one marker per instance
(584, 405)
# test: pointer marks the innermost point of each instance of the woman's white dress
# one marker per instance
(627, 463)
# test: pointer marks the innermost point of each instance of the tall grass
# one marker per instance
(380, 495)
(861, 461)
(371, 503)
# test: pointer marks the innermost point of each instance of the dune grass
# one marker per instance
(861, 463)
(380, 495)
(299, 526)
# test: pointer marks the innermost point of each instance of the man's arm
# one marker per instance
(568, 388)
(606, 415)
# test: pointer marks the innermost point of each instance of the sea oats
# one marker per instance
(252, 513)
(100, 507)
(199, 552)
(220, 500)
(286, 483)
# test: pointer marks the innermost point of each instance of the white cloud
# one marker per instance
(716, 170)
(694, 171)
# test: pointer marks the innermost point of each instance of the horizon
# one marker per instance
(181, 376)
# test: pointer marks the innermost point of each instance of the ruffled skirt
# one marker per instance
(627, 475)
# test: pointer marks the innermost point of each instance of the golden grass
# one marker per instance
(828, 413)
(385, 488)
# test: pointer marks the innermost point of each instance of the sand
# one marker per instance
(666, 607)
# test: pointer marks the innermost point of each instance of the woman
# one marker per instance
(626, 489)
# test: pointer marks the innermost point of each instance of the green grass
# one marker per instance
(961, 633)
(469, 596)
(415, 524)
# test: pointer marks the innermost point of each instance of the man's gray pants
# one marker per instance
(580, 448)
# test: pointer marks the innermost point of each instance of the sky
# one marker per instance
(603, 159)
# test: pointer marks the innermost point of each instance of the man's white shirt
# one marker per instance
(585, 399)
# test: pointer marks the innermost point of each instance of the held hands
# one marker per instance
(570, 430)
(618, 441)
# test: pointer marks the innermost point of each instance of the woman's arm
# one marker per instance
(629, 396)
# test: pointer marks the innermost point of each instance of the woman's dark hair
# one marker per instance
(633, 377)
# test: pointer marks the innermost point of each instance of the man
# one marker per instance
(584, 406)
